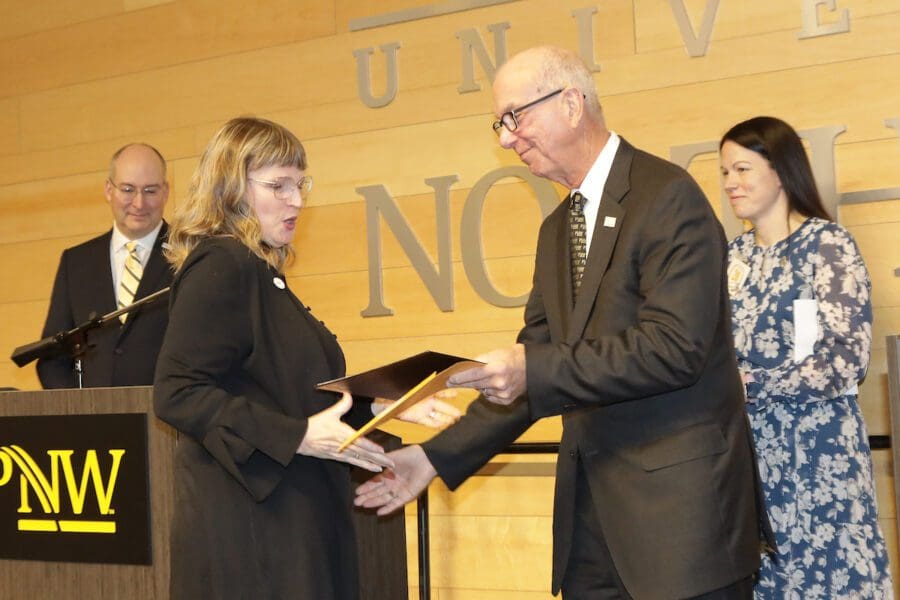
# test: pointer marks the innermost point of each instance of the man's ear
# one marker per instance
(573, 100)
(108, 190)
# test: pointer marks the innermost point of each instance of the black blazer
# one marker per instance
(236, 377)
(643, 370)
(120, 354)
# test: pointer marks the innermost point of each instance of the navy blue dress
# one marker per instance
(812, 444)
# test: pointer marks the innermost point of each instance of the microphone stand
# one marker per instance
(74, 342)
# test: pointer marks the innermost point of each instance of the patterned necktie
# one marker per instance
(577, 240)
(131, 277)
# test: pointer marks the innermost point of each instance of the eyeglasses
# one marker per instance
(284, 188)
(510, 119)
(150, 192)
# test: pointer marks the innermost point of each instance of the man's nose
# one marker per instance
(506, 138)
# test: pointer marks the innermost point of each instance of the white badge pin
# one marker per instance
(279, 282)
(736, 274)
(609, 221)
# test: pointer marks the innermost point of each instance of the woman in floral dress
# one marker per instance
(802, 321)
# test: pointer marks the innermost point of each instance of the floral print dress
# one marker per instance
(813, 450)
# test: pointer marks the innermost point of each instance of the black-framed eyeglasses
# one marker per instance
(284, 188)
(510, 119)
(129, 191)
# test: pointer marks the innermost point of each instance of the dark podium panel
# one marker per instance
(382, 542)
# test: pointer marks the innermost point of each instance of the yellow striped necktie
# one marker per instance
(131, 277)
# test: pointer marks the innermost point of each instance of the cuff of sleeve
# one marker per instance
(542, 402)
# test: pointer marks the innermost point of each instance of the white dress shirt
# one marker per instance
(594, 182)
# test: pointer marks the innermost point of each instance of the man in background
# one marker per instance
(627, 335)
(114, 270)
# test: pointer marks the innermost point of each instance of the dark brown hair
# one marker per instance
(777, 142)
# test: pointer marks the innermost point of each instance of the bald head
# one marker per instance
(141, 149)
(137, 189)
(546, 100)
(551, 68)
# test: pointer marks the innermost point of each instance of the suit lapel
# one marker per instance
(606, 232)
(554, 272)
(105, 292)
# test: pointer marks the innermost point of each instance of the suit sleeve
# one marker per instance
(57, 372)
(844, 342)
(210, 336)
(486, 429)
(677, 264)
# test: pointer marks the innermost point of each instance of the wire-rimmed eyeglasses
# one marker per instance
(284, 188)
(510, 119)
(129, 191)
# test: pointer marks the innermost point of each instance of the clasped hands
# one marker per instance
(501, 380)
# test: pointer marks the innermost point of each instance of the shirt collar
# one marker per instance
(119, 239)
(595, 180)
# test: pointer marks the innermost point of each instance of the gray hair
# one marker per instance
(560, 68)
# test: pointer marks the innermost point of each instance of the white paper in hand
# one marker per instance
(805, 327)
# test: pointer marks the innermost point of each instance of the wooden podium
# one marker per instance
(382, 542)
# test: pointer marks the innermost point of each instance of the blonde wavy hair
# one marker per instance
(216, 205)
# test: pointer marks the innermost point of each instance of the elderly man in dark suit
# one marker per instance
(627, 335)
(113, 270)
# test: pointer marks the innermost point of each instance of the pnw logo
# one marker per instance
(65, 491)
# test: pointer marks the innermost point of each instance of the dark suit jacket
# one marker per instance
(236, 377)
(643, 371)
(120, 354)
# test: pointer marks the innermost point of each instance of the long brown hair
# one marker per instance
(778, 143)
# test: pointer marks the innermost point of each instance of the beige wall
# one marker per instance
(78, 78)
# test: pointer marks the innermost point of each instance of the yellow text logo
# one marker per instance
(90, 487)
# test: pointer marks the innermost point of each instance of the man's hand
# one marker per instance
(431, 411)
(501, 380)
(411, 474)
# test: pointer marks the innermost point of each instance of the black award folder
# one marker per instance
(405, 381)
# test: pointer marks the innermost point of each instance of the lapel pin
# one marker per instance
(279, 282)
(609, 221)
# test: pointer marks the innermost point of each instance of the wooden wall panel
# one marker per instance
(871, 212)
(22, 323)
(22, 17)
(338, 299)
(872, 394)
(80, 79)
(153, 34)
(878, 244)
(9, 126)
(35, 211)
(88, 157)
(657, 28)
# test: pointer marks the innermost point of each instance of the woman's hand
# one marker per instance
(326, 432)
(430, 412)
